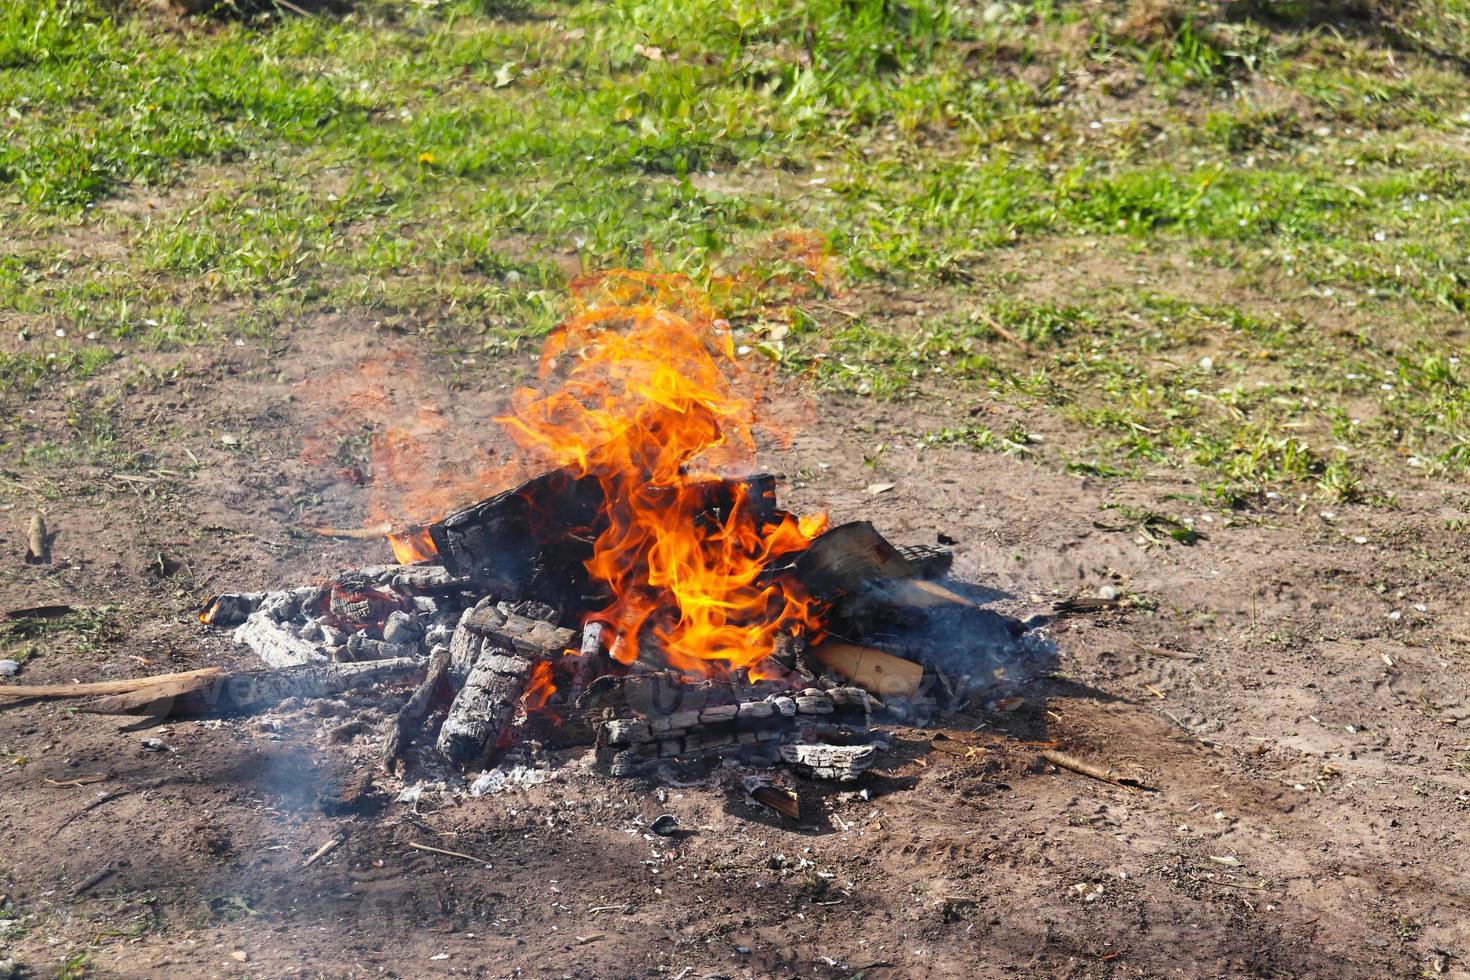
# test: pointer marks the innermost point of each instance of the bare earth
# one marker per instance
(1311, 762)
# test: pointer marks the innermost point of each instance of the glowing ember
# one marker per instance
(641, 391)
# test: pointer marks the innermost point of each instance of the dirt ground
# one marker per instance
(1291, 686)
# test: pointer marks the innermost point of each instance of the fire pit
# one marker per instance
(644, 594)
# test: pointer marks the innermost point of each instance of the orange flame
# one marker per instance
(412, 545)
(641, 390)
(539, 688)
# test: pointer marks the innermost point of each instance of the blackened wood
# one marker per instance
(465, 646)
(506, 539)
(534, 540)
(400, 730)
(928, 562)
(484, 708)
(837, 762)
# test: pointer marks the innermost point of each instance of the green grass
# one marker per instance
(1270, 210)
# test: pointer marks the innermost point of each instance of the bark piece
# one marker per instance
(484, 708)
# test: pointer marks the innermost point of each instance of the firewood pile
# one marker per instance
(489, 642)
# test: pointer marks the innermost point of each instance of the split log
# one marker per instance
(215, 692)
(534, 539)
(871, 669)
(413, 711)
(484, 708)
(849, 558)
(628, 746)
(534, 638)
(274, 643)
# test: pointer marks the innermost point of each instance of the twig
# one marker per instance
(1064, 761)
(608, 908)
(93, 880)
(1236, 884)
(995, 325)
(108, 798)
(322, 852)
(79, 781)
(1161, 652)
(454, 854)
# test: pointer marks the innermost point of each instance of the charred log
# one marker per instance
(484, 708)
(400, 730)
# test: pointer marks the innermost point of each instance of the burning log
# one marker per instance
(484, 707)
(508, 539)
(847, 559)
(465, 646)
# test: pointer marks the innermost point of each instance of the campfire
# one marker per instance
(640, 591)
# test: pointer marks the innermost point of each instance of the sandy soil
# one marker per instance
(1292, 686)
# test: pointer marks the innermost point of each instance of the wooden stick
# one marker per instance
(454, 854)
(322, 852)
(80, 781)
(104, 687)
(1064, 761)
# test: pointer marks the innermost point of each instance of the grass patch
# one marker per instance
(169, 182)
